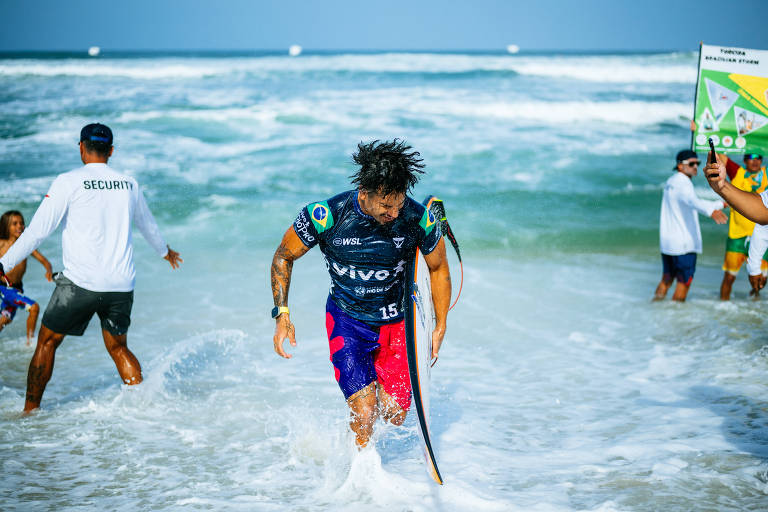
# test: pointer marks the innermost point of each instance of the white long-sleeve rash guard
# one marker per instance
(97, 206)
(758, 244)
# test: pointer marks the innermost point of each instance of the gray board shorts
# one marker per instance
(72, 307)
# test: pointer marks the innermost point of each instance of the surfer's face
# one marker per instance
(384, 209)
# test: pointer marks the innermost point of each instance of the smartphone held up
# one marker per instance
(713, 173)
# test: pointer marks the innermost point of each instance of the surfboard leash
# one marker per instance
(437, 207)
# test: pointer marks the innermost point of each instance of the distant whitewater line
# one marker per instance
(664, 68)
(332, 111)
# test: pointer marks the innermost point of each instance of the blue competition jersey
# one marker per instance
(366, 260)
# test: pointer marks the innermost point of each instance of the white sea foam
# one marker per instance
(147, 70)
(615, 69)
(607, 70)
(344, 112)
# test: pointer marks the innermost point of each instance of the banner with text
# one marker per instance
(732, 100)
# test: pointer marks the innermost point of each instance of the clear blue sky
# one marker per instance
(385, 24)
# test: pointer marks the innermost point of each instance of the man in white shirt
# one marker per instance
(97, 206)
(679, 231)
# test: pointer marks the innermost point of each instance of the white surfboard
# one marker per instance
(419, 323)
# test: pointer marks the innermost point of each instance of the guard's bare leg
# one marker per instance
(127, 365)
(41, 366)
(363, 413)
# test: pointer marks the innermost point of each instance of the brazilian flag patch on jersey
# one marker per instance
(427, 221)
(321, 216)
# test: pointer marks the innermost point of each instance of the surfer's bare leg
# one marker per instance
(390, 410)
(127, 365)
(41, 366)
(364, 410)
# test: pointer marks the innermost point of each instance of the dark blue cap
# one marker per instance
(96, 132)
(685, 154)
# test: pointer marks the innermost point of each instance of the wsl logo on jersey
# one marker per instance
(321, 216)
(338, 242)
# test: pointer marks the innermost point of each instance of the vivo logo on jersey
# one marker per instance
(367, 275)
(346, 241)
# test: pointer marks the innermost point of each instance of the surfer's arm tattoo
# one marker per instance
(282, 267)
(290, 249)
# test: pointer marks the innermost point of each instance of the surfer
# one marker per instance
(366, 236)
(97, 206)
(679, 231)
(12, 296)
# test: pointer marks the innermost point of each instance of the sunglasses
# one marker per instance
(690, 163)
(753, 156)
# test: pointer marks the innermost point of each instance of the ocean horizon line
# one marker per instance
(219, 53)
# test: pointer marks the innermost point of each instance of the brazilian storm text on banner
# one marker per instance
(732, 100)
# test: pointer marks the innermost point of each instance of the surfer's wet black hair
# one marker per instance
(387, 167)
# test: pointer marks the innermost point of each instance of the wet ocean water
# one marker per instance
(560, 385)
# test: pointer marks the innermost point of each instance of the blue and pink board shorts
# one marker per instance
(362, 354)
